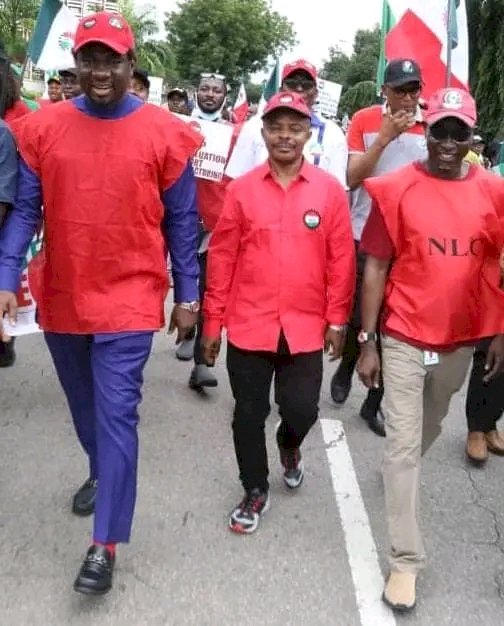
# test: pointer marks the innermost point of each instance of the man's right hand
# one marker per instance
(394, 125)
(369, 366)
(8, 306)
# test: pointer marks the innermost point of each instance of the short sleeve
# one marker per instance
(355, 135)
(180, 144)
(375, 239)
(26, 132)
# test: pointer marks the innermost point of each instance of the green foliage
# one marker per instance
(361, 95)
(487, 77)
(360, 66)
(233, 37)
(254, 92)
(17, 19)
(153, 55)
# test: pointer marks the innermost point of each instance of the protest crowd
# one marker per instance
(284, 238)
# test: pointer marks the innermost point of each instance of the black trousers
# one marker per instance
(198, 352)
(351, 349)
(299, 379)
(484, 402)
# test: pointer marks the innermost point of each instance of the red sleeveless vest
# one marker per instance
(103, 264)
(443, 286)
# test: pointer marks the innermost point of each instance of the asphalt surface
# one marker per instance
(183, 566)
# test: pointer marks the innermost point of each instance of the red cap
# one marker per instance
(451, 102)
(110, 29)
(299, 65)
(285, 100)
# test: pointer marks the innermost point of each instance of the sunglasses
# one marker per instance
(458, 135)
(212, 75)
(294, 83)
(411, 89)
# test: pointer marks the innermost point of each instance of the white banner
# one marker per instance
(210, 161)
(26, 324)
(156, 90)
(328, 97)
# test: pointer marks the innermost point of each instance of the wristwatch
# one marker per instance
(364, 337)
(193, 307)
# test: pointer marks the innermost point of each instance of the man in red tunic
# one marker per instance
(115, 176)
(432, 241)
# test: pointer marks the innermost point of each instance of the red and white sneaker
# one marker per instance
(244, 519)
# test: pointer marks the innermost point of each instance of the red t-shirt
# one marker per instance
(375, 238)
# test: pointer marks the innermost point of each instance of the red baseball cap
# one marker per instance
(299, 65)
(110, 29)
(451, 102)
(290, 101)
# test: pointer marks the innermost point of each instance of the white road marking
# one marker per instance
(360, 545)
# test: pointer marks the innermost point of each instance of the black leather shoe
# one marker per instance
(372, 413)
(95, 576)
(7, 353)
(341, 382)
(84, 499)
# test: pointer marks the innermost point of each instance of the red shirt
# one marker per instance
(444, 239)
(280, 259)
(19, 109)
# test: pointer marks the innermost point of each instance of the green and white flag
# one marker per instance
(53, 37)
(271, 87)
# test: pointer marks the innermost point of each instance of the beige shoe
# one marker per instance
(495, 442)
(400, 592)
(476, 447)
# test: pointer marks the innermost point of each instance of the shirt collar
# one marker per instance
(305, 172)
(316, 122)
(418, 115)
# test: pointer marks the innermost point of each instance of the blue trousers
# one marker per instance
(102, 379)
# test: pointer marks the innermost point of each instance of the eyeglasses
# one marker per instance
(462, 134)
(410, 89)
(211, 75)
(293, 84)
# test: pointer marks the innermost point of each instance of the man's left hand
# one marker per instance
(333, 343)
(183, 321)
(495, 359)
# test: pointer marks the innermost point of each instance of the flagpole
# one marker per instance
(449, 29)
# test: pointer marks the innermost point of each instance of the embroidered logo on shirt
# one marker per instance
(311, 219)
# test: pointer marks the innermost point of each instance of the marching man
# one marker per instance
(101, 278)
(281, 274)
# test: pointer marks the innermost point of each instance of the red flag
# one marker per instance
(240, 108)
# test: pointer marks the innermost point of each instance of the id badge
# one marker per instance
(430, 358)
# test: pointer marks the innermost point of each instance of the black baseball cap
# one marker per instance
(402, 71)
(142, 76)
(179, 91)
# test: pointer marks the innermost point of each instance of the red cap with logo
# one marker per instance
(299, 66)
(290, 101)
(109, 29)
(451, 102)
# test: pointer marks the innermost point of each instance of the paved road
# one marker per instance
(183, 566)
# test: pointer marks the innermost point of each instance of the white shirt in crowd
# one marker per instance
(326, 148)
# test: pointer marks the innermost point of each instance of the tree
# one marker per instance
(487, 78)
(17, 19)
(361, 66)
(254, 92)
(153, 55)
(232, 37)
(361, 95)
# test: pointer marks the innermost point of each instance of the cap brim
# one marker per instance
(430, 120)
(113, 45)
(285, 107)
(312, 75)
(403, 81)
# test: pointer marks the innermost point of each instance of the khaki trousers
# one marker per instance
(417, 398)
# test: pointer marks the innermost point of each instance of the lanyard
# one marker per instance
(320, 139)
